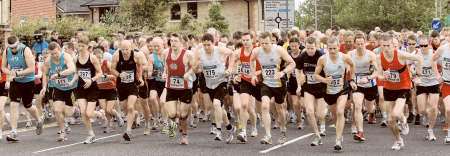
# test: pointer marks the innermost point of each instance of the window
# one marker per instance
(175, 12)
(192, 9)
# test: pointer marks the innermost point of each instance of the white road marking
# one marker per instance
(59, 147)
(285, 144)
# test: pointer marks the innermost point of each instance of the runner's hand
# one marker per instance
(141, 82)
(254, 80)
(353, 85)
(299, 90)
(122, 74)
(328, 80)
(279, 75)
(53, 77)
(87, 83)
(7, 84)
(237, 79)
(186, 76)
(42, 93)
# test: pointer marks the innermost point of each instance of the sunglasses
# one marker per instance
(332, 48)
(412, 44)
(423, 45)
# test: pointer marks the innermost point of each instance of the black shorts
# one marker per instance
(292, 86)
(217, 93)
(37, 88)
(143, 91)
(90, 94)
(195, 83)
(316, 90)
(279, 93)
(64, 96)
(331, 99)
(392, 95)
(427, 90)
(3, 91)
(370, 94)
(126, 90)
(158, 86)
(247, 87)
(107, 94)
(202, 83)
(236, 87)
(22, 91)
(48, 95)
(184, 95)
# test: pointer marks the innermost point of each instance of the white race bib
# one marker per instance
(210, 73)
(40, 58)
(310, 78)
(360, 78)
(268, 73)
(128, 77)
(245, 69)
(84, 73)
(427, 72)
(336, 81)
(392, 76)
(63, 82)
(176, 82)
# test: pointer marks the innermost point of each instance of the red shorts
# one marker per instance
(445, 90)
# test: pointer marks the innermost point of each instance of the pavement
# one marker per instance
(379, 142)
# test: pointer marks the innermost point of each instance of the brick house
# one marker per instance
(73, 8)
(26, 10)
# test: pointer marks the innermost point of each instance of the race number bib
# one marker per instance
(268, 72)
(310, 79)
(127, 77)
(362, 78)
(392, 76)
(245, 69)
(63, 82)
(40, 58)
(84, 73)
(210, 73)
(336, 81)
(176, 82)
(426, 72)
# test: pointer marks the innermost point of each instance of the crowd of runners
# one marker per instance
(168, 83)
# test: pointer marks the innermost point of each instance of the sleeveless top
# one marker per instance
(337, 72)
(396, 75)
(363, 69)
(63, 82)
(85, 71)
(213, 68)
(17, 63)
(270, 64)
(129, 68)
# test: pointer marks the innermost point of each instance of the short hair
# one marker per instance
(422, 37)
(348, 33)
(149, 40)
(294, 39)
(247, 33)
(237, 35)
(264, 35)
(12, 39)
(333, 40)
(84, 40)
(434, 34)
(412, 37)
(208, 37)
(311, 40)
(386, 37)
(174, 35)
(53, 46)
(121, 32)
(360, 35)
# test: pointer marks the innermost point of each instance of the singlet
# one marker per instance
(175, 74)
(293, 75)
(363, 69)
(396, 75)
(158, 68)
(336, 70)
(308, 66)
(129, 68)
(270, 64)
(17, 63)
(63, 82)
(245, 66)
(103, 82)
(428, 76)
(213, 68)
(445, 64)
(85, 71)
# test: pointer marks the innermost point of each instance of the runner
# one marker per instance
(396, 85)
(179, 78)
(241, 57)
(212, 61)
(442, 55)
(144, 92)
(19, 65)
(107, 93)
(3, 98)
(292, 85)
(88, 72)
(313, 90)
(59, 70)
(127, 66)
(156, 81)
(365, 74)
(427, 87)
(334, 64)
(271, 57)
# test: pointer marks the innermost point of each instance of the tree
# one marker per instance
(367, 14)
(216, 20)
(190, 25)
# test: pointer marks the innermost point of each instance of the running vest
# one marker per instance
(245, 66)
(308, 66)
(129, 68)
(363, 69)
(396, 75)
(213, 68)
(428, 76)
(175, 74)
(63, 82)
(445, 64)
(3, 76)
(270, 64)
(85, 71)
(293, 75)
(336, 71)
(17, 63)
(103, 82)
(158, 68)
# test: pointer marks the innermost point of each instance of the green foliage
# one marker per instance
(67, 26)
(367, 14)
(26, 29)
(216, 20)
(189, 25)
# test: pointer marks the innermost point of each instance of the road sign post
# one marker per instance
(278, 14)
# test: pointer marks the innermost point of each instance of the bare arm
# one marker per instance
(319, 67)
(98, 69)
(114, 62)
(350, 64)
(5, 68)
(288, 59)
(373, 62)
(29, 60)
(45, 77)
(70, 65)
(412, 57)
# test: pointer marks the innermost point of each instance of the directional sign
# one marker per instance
(436, 24)
(278, 14)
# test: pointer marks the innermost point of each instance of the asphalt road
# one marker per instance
(379, 142)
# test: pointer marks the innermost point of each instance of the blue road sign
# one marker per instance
(436, 24)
